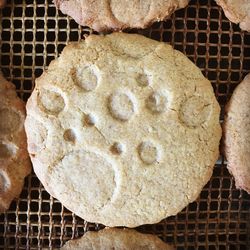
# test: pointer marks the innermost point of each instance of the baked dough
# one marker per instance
(14, 158)
(103, 15)
(123, 130)
(237, 11)
(117, 239)
(237, 135)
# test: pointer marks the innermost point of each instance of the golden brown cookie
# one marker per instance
(123, 130)
(237, 135)
(102, 15)
(14, 158)
(117, 239)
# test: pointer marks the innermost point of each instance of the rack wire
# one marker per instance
(33, 33)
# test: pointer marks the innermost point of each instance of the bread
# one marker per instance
(14, 158)
(237, 135)
(123, 130)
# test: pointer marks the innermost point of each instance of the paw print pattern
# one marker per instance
(124, 136)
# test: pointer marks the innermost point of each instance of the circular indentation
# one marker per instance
(117, 148)
(157, 102)
(195, 111)
(86, 78)
(69, 135)
(7, 150)
(142, 80)
(85, 176)
(148, 152)
(9, 121)
(51, 101)
(4, 181)
(89, 120)
(121, 106)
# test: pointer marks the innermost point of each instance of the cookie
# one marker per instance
(123, 130)
(14, 158)
(117, 239)
(237, 135)
(118, 15)
(237, 12)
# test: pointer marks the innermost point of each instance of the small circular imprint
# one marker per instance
(9, 121)
(117, 148)
(86, 78)
(51, 101)
(89, 120)
(121, 106)
(69, 135)
(4, 181)
(195, 111)
(142, 80)
(148, 152)
(157, 102)
(6, 150)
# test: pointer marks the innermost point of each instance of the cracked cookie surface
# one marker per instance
(103, 15)
(237, 134)
(117, 239)
(135, 147)
(14, 158)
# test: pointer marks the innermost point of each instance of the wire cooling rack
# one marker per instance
(33, 33)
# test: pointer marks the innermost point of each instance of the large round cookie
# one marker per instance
(117, 239)
(237, 134)
(237, 11)
(14, 158)
(123, 130)
(104, 15)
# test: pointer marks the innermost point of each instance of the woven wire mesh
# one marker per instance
(33, 33)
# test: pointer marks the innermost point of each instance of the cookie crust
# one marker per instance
(237, 135)
(14, 159)
(104, 15)
(117, 239)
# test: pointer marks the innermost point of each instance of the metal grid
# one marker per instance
(33, 33)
